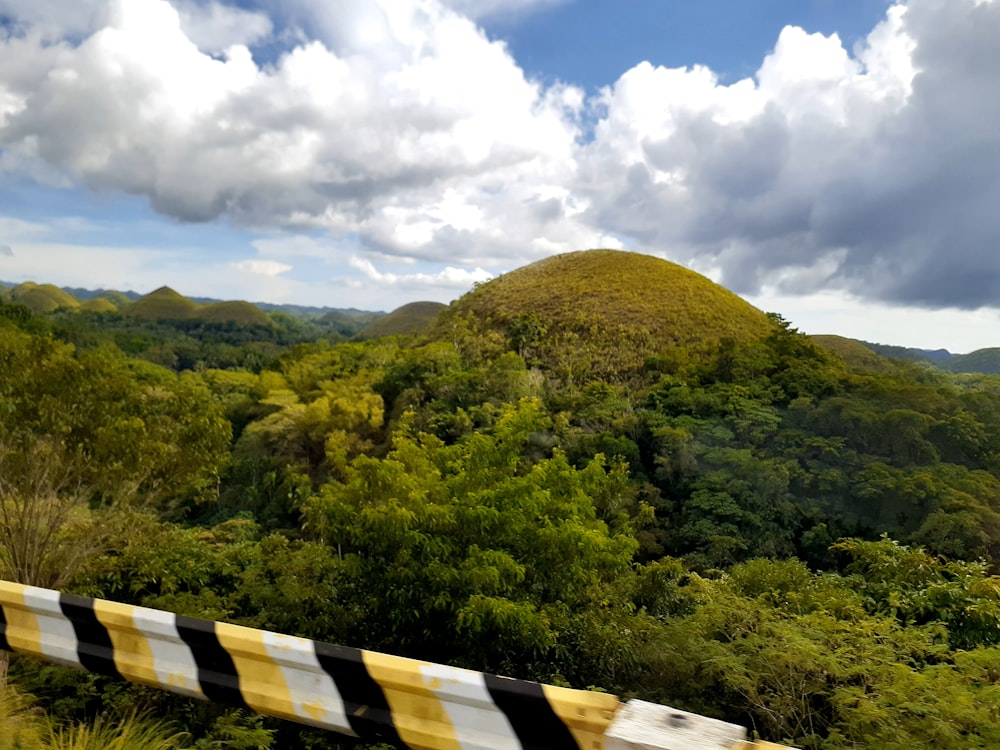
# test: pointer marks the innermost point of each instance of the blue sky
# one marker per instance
(837, 162)
(592, 42)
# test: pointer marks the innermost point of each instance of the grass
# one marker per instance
(25, 727)
(415, 317)
(129, 733)
(604, 313)
(21, 726)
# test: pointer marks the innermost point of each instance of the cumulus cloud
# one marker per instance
(214, 27)
(322, 137)
(399, 131)
(872, 172)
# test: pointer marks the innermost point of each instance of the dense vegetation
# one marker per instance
(734, 519)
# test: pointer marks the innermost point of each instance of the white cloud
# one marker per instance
(872, 172)
(321, 138)
(215, 27)
(396, 130)
(12, 228)
(449, 277)
(262, 267)
(834, 312)
(84, 266)
(7, 250)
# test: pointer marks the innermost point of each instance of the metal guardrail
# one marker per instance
(364, 694)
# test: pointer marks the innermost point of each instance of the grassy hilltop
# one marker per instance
(605, 312)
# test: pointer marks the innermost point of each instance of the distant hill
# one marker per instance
(166, 304)
(415, 317)
(98, 304)
(345, 320)
(986, 361)
(905, 352)
(163, 304)
(602, 313)
(983, 361)
(85, 294)
(42, 298)
(242, 313)
(856, 355)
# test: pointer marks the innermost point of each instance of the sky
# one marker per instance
(835, 161)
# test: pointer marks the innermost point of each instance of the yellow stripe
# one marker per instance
(586, 714)
(262, 682)
(133, 654)
(420, 719)
(23, 632)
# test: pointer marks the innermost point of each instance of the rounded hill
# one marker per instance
(239, 312)
(163, 303)
(43, 298)
(601, 313)
(414, 317)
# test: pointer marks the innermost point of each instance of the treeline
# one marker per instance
(760, 534)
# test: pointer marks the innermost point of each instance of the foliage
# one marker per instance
(599, 470)
(129, 733)
(21, 727)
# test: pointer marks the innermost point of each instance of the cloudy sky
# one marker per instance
(837, 161)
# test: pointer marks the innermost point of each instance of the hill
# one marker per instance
(856, 355)
(98, 304)
(604, 313)
(935, 356)
(986, 361)
(415, 317)
(42, 298)
(163, 304)
(242, 313)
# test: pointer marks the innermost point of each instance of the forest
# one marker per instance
(569, 475)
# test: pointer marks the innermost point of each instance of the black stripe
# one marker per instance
(216, 672)
(367, 709)
(4, 643)
(530, 715)
(93, 644)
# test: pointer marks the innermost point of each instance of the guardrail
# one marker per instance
(363, 694)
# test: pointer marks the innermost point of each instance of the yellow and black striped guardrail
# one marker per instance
(364, 694)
